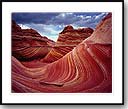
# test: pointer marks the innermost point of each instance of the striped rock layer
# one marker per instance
(29, 44)
(67, 40)
(87, 68)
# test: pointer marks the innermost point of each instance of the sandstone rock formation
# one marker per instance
(87, 68)
(29, 44)
(67, 40)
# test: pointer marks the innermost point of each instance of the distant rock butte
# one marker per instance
(16, 30)
(67, 40)
(85, 69)
(28, 43)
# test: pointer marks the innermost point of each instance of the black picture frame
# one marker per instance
(122, 103)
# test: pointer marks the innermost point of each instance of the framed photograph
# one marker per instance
(62, 53)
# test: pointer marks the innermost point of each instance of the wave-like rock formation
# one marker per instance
(29, 44)
(67, 40)
(87, 68)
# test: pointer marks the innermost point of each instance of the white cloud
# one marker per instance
(24, 26)
(88, 17)
(99, 16)
(81, 16)
(60, 26)
(50, 31)
(63, 14)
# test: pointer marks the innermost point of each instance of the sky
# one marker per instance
(51, 24)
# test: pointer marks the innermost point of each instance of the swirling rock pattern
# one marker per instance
(87, 68)
(29, 44)
(67, 40)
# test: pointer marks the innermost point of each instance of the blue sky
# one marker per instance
(51, 24)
